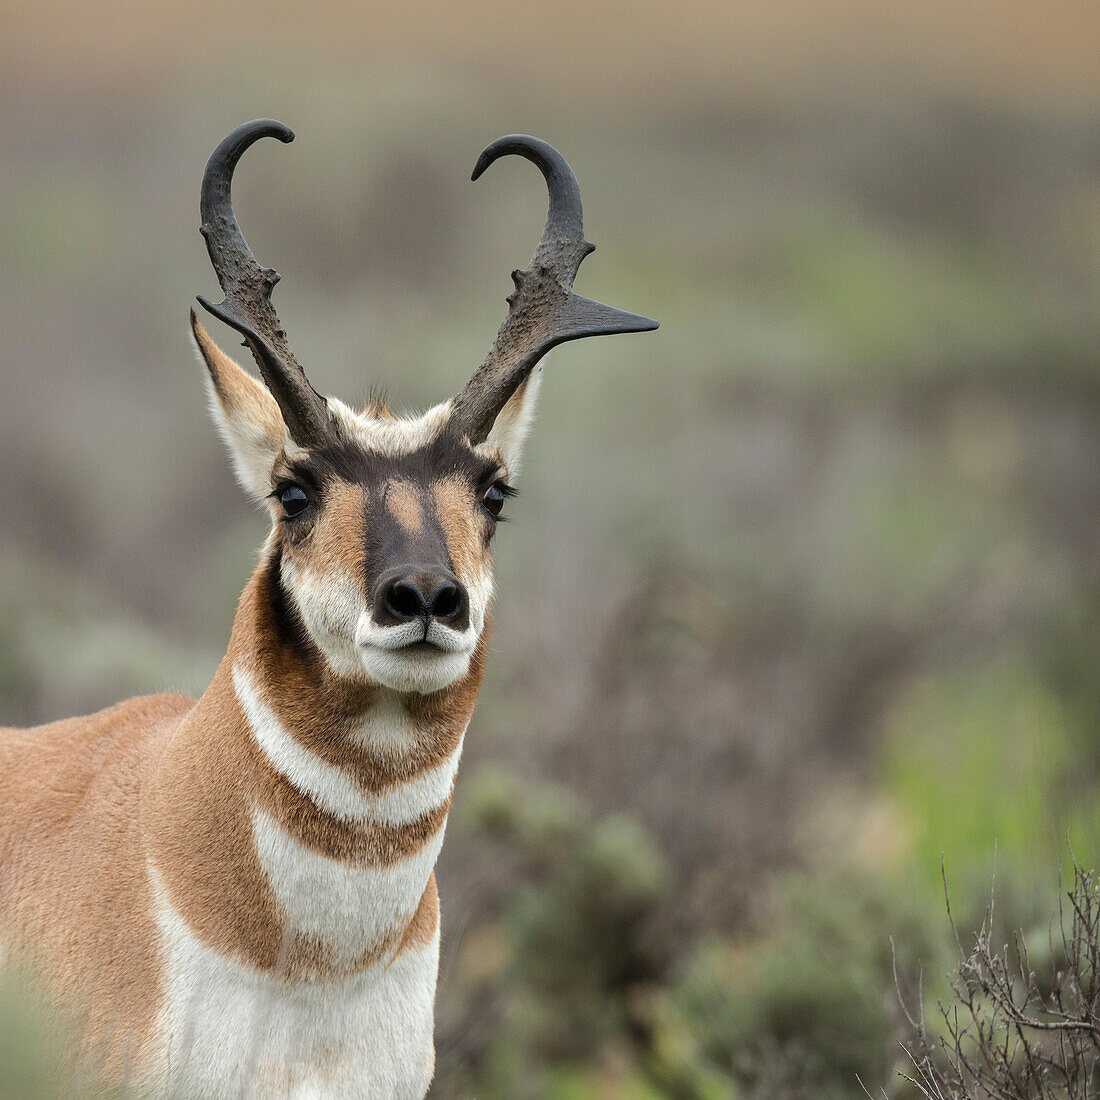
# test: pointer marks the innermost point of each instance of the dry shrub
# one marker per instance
(1020, 1028)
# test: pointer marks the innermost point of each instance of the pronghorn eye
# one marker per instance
(494, 499)
(293, 500)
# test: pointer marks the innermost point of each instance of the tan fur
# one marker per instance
(376, 408)
(509, 432)
(404, 505)
(246, 414)
(335, 544)
(425, 920)
(457, 513)
(73, 888)
(237, 389)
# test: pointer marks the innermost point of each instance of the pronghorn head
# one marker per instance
(382, 525)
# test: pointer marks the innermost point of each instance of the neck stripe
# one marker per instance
(329, 786)
(351, 913)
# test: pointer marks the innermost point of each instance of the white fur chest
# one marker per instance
(228, 1030)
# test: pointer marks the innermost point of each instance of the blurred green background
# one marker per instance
(802, 590)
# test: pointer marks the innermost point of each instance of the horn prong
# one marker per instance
(543, 311)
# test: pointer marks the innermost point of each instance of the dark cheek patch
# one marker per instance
(287, 628)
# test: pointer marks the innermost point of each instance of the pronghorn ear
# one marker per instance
(509, 430)
(246, 414)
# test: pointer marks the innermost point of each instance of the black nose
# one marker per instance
(404, 595)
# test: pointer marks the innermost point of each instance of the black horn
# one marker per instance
(247, 287)
(543, 311)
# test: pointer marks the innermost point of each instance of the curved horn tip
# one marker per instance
(267, 127)
(489, 154)
(483, 162)
(217, 177)
(524, 145)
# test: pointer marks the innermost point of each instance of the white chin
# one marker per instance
(420, 670)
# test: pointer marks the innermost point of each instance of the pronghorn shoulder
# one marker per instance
(141, 713)
(71, 755)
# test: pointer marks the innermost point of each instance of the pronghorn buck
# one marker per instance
(235, 895)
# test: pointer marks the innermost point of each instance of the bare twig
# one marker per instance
(1005, 1037)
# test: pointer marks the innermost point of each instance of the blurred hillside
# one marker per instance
(802, 590)
(657, 52)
